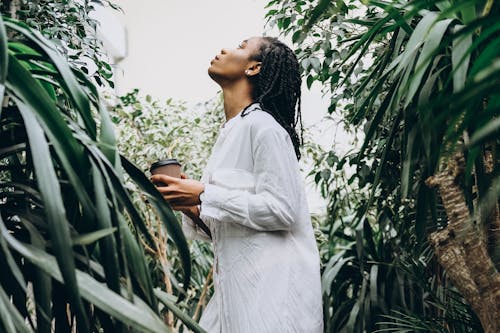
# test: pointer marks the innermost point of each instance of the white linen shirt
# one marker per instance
(266, 261)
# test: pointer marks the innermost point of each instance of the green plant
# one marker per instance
(422, 79)
(66, 246)
(69, 25)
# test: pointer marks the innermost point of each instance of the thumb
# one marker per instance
(183, 176)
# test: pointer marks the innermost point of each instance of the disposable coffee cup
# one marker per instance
(170, 167)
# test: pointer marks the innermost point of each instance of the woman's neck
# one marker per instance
(236, 97)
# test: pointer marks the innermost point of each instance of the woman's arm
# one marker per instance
(276, 200)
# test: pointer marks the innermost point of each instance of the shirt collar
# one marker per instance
(233, 120)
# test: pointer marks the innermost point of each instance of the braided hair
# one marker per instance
(277, 86)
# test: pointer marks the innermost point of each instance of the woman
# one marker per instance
(252, 197)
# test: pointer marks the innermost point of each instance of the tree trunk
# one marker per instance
(461, 249)
(492, 220)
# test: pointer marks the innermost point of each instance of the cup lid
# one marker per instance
(161, 163)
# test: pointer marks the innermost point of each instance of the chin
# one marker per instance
(213, 75)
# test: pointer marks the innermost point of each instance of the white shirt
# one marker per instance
(266, 261)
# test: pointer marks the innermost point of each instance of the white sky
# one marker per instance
(170, 44)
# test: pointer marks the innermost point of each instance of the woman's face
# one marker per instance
(231, 64)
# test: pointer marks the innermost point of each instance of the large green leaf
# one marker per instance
(429, 49)
(131, 253)
(48, 185)
(11, 319)
(70, 153)
(488, 132)
(115, 182)
(108, 244)
(4, 60)
(188, 321)
(11, 263)
(460, 57)
(93, 291)
(137, 262)
(414, 43)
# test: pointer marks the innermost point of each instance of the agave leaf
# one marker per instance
(429, 49)
(93, 291)
(107, 245)
(4, 60)
(187, 320)
(373, 284)
(116, 183)
(30, 93)
(489, 131)
(12, 320)
(48, 185)
(416, 40)
(137, 262)
(395, 14)
(92, 237)
(367, 37)
(411, 149)
(387, 144)
(376, 120)
(330, 274)
(12, 265)
(468, 12)
(353, 316)
(460, 57)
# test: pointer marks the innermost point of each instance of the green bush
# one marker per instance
(66, 246)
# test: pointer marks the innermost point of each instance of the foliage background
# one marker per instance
(72, 261)
(406, 74)
(390, 68)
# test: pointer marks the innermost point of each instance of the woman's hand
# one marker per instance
(182, 194)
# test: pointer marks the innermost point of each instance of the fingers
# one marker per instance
(172, 198)
(170, 192)
(183, 176)
(183, 208)
(163, 179)
(165, 189)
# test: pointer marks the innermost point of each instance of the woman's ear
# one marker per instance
(254, 69)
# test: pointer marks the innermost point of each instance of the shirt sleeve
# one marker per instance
(192, 231)
(275, 202)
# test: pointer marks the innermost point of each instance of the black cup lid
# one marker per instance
(161, 163)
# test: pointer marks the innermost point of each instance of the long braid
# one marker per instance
(277, 87)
